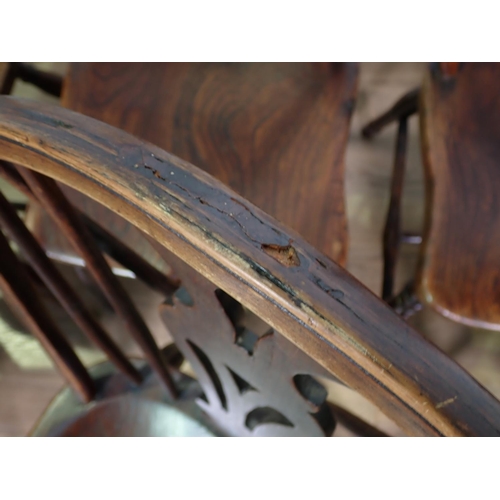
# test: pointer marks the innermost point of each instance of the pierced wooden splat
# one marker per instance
(255, 382)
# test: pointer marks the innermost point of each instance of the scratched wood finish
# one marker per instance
(313, 302)
(275, 133)
(460, 129)
(115, 237)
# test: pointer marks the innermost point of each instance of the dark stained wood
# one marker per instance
(70, 223)
(274, 132)
(12, 176)
(404, 108)
(406, 302)
(4, 68)
(44, 80)
(112, 246)
(7, 78)
(392, 230)
(16, 286)
(107, 242)
(460, 128)
(55, 282)
(314, 303)
(256, 383)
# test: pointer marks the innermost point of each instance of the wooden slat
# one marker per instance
(129, 259)
(392, 229)
(12, 176)
(55, 282)
(16, 285)
(70, 223)
(106, 241)
(460, 125)
(276, 133)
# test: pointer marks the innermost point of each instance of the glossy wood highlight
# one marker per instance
(460, 128)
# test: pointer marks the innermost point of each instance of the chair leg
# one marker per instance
(392, 231)
(404, 108)
(44, 80)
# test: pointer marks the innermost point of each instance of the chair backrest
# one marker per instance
(275, 133)
(460, 123)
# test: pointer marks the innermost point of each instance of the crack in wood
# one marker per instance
(284, 254)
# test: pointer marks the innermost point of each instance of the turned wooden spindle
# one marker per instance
(19, 291)
(71, 224)
(107, 242)
(50, 275)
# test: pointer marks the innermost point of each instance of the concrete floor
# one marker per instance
(28, 381)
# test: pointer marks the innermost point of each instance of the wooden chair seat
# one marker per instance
(460, 124)
(275, 133)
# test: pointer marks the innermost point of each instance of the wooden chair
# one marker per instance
(259, 313)
(44, 80)
(459, 115)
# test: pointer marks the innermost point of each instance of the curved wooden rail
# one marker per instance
(313, 302)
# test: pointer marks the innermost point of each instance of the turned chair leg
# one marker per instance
(392, 231)
(404, 108)
(406, 302)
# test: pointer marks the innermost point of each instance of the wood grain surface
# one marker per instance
(299, 292)
(276, 133)
(4, 68)
(460, 128)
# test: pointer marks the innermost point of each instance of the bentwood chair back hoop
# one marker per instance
(458, 274)
(227, 256)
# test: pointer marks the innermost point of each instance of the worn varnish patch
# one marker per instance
(285, 255)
